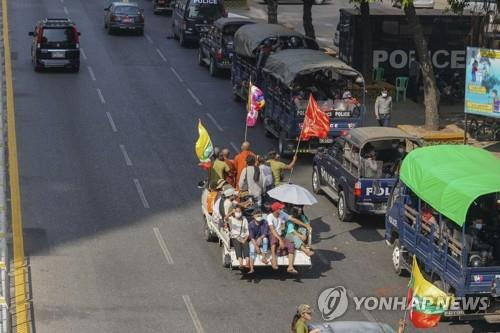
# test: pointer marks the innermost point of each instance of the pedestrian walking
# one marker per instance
(383, 108)
(300, 319)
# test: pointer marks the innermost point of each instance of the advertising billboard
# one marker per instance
(482, 82)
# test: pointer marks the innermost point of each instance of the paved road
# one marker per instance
(108, 175)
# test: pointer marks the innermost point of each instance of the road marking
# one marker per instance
(141, 193)
(329, 24)
(84, 55)
(234, 146)
(91, 72)
(148, 38)
(20, 307)
(215, 122)
(161, 55)
(101, 97)
(196, 99)
(365, 313)
(192, 313)
(176, 74)
(111, 122)
(66, 10)
(128, 161)
(163, 246)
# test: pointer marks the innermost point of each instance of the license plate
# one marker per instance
(58, 54)
(326, 140)
(127, 20)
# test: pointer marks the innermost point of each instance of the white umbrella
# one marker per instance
(294, 194)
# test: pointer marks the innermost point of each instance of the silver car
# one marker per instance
(353, 327)
(124, 16)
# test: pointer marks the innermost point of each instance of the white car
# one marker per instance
(418, 4)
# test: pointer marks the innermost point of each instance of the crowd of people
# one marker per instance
(237, 191)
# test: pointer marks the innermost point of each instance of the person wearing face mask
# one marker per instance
(238, 226)
(383, 108)
(259, 239)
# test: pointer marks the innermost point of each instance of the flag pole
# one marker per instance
(298, 143)
(295, 155)
(248, 106)
(402, 329)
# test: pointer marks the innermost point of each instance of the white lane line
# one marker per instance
(192, 313)
(111, 122)
(128, 161)
(141, 193)
(148, 38)
(234, 146)
(176, 74)
(161, 55)
(196, 99)
(91, 72)
(84, 55)
(215, 122)
(365, 313)
(66, 10)
(101, 97)
(163, 246)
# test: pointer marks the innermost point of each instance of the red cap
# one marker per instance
(277, 206)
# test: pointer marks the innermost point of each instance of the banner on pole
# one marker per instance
(482, 82)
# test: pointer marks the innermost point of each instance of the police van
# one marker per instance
(393, 39)
(192, 17)
(359, 170)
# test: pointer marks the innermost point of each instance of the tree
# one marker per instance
(482, 11)
(272, 11)
(431, 92)
(307, 19)
(367, 48)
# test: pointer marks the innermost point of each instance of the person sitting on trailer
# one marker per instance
(224, 204)
(299, 233)
(238, 228)
(214, 194)
(279, 244)
(259, 239)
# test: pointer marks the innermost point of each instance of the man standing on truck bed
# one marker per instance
(383, 108)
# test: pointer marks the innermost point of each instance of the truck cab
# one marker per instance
(443, 193)
(216, 46)
(359, 170)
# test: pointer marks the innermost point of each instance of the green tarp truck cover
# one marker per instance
(450, 177)
(288, 64)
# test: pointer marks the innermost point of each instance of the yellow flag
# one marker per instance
(204, 148)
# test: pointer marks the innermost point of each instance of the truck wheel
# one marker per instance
(200, 57)
(343, 211)
(212, 69)
(209, 237)
(182, 39)
(226, 258)
(316, 181)
(397, 258)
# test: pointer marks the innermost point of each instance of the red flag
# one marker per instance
(316, 122)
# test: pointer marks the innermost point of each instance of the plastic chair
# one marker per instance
(377, 74)
(401, 86)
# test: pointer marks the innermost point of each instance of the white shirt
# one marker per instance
(277, 222)
(268, 175)
(239, 227)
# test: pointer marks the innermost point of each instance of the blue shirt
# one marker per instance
(256, 230)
